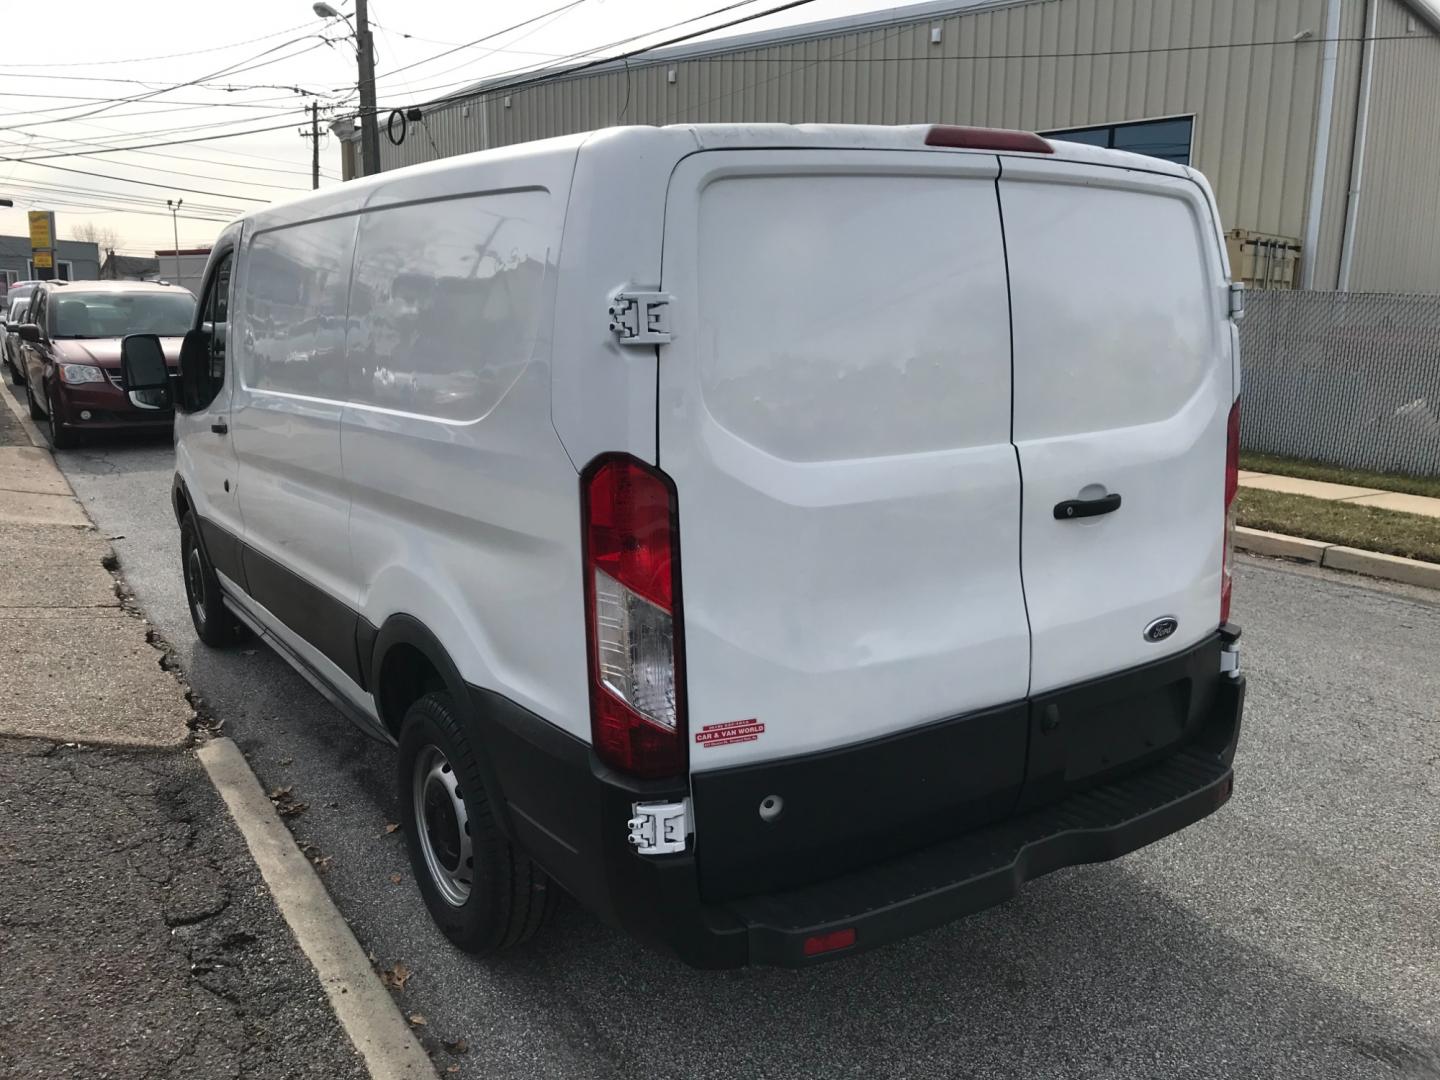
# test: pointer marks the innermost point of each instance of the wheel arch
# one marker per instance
(407, 661)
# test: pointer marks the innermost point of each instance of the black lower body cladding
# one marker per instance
(1133, 757)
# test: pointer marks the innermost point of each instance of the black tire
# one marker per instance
(507, 897)
(60, 439)
(36, 413)
(214, 624)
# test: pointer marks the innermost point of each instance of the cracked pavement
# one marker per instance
(136, 936)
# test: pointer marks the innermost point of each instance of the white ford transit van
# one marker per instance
(781, 539)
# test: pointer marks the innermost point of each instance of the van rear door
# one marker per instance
(835, 412)
(1123, 387)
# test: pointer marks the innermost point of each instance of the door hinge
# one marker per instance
(641, 318)
(1237, 300)
(660, 828)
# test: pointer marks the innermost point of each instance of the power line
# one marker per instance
(181, 172)
(170, 142)
(544, 72)
(488, 37)
(167, 56)
(143, 183)
(235, 68)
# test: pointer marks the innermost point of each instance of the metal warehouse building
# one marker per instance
(1317, 121)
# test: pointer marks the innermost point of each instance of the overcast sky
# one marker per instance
(88, 75)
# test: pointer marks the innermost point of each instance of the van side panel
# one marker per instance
(290, 370)
(464, 505)
(604, 392)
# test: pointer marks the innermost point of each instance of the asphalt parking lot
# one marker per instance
(1293, 934)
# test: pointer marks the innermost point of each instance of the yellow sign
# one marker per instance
(43, 260)
(42, 229)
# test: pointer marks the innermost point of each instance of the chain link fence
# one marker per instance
(1351, 379)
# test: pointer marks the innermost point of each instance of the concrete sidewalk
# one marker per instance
(1359, 496)
(137, 937)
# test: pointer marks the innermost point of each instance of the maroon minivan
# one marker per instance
(70, 353)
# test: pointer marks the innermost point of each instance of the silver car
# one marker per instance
(13, 318)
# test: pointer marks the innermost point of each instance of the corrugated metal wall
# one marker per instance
(1043, 64)
(1398, 215)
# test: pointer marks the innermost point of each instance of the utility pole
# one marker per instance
(314, 136)
(369, 123)
(174, 205)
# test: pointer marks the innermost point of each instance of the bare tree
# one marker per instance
(106, 238)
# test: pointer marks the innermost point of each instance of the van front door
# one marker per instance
(204, 449)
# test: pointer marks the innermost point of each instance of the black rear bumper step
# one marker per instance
(934, 886)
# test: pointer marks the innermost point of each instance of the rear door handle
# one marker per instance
(1083, 508)
(220, 427)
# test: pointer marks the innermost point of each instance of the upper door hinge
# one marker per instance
(641, 318)
(1237, 300)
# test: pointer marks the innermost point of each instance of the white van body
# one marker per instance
(875, 374)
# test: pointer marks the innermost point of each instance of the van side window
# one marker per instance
(447, 302)
(297, 284)
(215, 320)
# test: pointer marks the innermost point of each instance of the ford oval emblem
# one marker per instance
(1161, 628)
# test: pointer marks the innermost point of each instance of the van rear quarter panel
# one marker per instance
(464, 504)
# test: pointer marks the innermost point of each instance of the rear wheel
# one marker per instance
(60, 438)
(482, 891)
(214, 624)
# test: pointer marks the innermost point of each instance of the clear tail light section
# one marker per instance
(1232, 485)
(632, 592)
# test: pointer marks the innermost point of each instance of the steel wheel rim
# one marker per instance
(442, 825)
(195, 578)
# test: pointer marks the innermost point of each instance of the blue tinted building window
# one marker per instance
(1167, 139)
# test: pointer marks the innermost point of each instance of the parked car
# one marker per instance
(13, 318)
(19, 293)
(71, 353)
(733, 526)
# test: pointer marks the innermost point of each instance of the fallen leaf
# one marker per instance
(459, 1046)
(287, 761)
(291, 809)
(279, 793)
(322, 862)
(453, 1069)
(418, 1020)
(396, 977)
(390, 827)
(247, 652)
(395, 879)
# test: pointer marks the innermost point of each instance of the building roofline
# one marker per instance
(899, 15)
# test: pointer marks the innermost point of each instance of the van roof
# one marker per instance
(678, 139)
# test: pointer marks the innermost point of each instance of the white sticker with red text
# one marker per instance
(732, 731)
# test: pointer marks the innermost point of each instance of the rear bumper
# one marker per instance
(570, 812)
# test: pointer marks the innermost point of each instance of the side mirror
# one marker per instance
(29, 332)
(147, 378)
(12, 327)
(194, 367)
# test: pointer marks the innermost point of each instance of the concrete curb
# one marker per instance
(363, 1006)
(1339, 557)
(36, 439)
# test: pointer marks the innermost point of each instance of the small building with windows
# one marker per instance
(1314, 120)
(75, 260)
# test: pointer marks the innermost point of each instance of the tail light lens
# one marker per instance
(1232, 485)
(632, 590)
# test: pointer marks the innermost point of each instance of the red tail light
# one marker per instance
(1232, 485)
(831, 942)
(632, 589)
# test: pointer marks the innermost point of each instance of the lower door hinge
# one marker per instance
(641, 318)
(660, 828)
